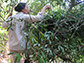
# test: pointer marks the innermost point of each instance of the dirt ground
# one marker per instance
(4, 57)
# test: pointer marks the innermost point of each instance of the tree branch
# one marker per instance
(44, 20)
(73, 4)
(40, 23)
(64, 58)
(78, 3)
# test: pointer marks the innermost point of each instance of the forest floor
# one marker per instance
(4, 57)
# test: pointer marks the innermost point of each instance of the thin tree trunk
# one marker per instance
(72, 5)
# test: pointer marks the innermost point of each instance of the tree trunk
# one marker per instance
(72, 5)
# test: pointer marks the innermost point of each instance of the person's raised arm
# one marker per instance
(45, 7)
(38, 17)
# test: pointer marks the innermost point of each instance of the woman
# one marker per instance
(16, 24)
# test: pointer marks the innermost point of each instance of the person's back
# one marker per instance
(15, 32)
(16, 24)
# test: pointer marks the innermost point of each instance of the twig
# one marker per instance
(78, 3)
(64, 58)
(51, 24)
(75, 26)
(73, 5)
(71, 28)
(39, 23)
(44, 20)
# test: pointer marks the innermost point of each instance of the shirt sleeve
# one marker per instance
(32, 18)
(6, 22)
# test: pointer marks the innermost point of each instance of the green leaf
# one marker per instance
(32, 39)
(17, 1)
(50, 42)
(56, 37)
(26, 53)
(43, 54)
(11, 53)
(10, 60)
(40, 60)
(0, 45)
(15, 60)
(46, 35)
(30, 56)
(17, 57)
(61, 48)
(51, 52)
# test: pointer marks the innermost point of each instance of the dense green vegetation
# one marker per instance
(59, 35)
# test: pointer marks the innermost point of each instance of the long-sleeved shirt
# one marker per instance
(16, 29)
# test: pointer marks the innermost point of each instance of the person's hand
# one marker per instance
(47, 7)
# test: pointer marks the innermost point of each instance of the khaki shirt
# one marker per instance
(16, 30)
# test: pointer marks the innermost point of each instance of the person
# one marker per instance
(16, 25)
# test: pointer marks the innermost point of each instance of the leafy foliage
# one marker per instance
(59, 35)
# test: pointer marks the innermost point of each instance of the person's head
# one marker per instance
(22, 7)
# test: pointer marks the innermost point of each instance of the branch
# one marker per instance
(11, 10)
(71, 29)
(51, 24)
(44, 20)
(78, 3)
(64, 58)
(74, 26)
(39, 23)
(72, 5)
